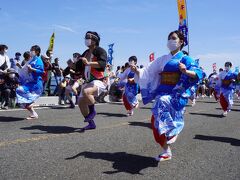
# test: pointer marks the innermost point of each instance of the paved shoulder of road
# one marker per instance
(121, 147)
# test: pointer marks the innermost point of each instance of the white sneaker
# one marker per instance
(137, 105)
(224, 113)
(31, 117)
(193, 102)
(130, 113)
(171, 139)
(164, 156)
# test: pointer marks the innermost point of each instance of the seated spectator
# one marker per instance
(75, 70)
(61, 89)
(8, 88)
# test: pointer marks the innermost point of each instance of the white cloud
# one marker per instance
(64, 28)
(206, 60)
(219, 56)
(232, 39)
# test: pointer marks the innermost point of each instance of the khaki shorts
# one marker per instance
(75, 85)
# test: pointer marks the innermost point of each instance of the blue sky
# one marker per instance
(136, 27)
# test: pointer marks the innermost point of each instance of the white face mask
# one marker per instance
(131, 63)
(88, 42)
(227, 68)
(32, 53)
(11, 75)
(75, 59)
(5, 51)
(172, 45)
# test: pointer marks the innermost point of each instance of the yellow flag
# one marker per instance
(51, 43)
(182, 11)
(183, 26)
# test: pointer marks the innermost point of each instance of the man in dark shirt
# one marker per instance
(57, 71)
(8, 86)
(45, 76)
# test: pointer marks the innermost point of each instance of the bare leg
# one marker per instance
(87, 99)
(86, 106)
(83, 107)
(32, 111)
(88, 94)
(166, 147)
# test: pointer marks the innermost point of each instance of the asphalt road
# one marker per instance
(121, 147)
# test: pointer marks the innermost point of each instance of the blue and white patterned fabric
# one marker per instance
(193, 90)
(227, 90)
(227, 75)
(131, 91)
(168, 120)
(170, 100)
(31, 85)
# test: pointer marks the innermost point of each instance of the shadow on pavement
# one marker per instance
(208, 115)
(52, 129)
(10, 119)
(208, 102)
(141, 124)
(60, 107)
(231, 109)
(111, 114)
(232, 141)
(122, 161)
(145, 108)
(236, 110)
(116, 103)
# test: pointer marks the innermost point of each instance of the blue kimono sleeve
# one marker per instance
(39, 67)
(235, 75)
(192, 66)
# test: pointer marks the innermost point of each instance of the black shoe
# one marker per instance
(72, 106)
